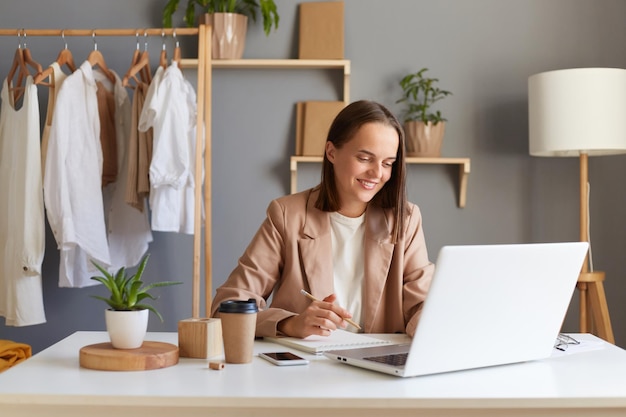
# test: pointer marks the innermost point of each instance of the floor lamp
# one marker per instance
(580, 113)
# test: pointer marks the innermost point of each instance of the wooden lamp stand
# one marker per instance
(594, 311)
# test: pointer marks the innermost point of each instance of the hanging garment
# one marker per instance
(139, 153)
(148, 113)
(108, 138)
(22, 223)
(56, 80)
(171, 109)
(128, 229)
(72, 181)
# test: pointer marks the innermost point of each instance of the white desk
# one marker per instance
(52, 383)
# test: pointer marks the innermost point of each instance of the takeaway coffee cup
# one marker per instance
(238, 328)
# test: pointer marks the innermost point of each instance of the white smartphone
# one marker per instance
(283, 358)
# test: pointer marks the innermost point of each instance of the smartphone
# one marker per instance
(283, 358)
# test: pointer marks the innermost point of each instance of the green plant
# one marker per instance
(128, 292)
(419, 94)
(268, 10)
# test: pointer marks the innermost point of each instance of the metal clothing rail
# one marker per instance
(203, 131)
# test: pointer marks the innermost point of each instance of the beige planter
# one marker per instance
(126, 329)
(424, 139)
(229, 34)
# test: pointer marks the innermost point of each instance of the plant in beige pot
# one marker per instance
(229, 20)
(424, 128)
(127, 316)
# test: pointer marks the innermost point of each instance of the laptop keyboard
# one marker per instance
(396, 359)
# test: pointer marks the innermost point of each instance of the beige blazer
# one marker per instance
(292, 251)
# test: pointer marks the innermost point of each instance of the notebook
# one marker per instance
(488, 305)
(338, 339)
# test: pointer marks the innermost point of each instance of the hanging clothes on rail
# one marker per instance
(75, 201)
(22, 223)
(170, 109)
(128, 229)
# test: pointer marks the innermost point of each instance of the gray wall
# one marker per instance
(482, 50)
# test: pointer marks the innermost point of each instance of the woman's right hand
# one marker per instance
(320, 318)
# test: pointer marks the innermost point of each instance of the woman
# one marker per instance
(353, 241)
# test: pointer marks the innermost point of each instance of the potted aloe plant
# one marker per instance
(229, 20)
(127, 316)
(424, 127)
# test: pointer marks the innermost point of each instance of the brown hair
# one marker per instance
(342, 130)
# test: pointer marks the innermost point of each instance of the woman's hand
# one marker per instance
(320, 318)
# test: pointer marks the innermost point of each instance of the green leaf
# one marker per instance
(149, 307)
(168, 12)
(190, 14)
(132, 293)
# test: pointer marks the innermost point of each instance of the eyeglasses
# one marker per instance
(563, 341)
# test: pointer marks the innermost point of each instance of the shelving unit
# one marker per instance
(463, 163)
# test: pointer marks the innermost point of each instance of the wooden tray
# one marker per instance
(151, 355)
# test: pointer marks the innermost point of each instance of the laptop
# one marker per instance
(487, 305)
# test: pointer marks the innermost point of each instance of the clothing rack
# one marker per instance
(203, 157)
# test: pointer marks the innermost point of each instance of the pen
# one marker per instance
(310, 297)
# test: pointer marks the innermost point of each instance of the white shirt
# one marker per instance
(73, 178)
(22, 224)
(148, 113)
(348, 245)
(170, 109)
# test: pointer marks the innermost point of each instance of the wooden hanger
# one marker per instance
(163, 57)
(19, 64)
(95, 58)
(64, 58)
(177, 53)
(146, 75)
(140, 64)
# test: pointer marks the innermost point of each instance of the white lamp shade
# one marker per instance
(576, 111)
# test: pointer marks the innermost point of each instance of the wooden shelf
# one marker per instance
(463, 163)
(273, 63)
(282, 64)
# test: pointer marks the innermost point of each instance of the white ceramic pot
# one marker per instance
(127, 329)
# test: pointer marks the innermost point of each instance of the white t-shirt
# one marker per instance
(348, 245)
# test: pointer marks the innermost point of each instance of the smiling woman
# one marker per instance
(362, 166)
(354, 241)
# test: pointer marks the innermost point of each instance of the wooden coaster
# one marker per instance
(151, 355)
